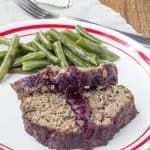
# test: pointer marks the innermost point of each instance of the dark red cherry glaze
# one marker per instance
(79, 105)
(72, 83)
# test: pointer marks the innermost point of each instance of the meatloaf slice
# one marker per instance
(51, 121)
(54, 79)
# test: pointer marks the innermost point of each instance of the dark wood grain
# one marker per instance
(136, 12)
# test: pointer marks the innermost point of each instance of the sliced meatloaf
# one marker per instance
(51, 121)
(54, 79)
(74, 108)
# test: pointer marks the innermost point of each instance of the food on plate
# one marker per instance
(85, 34)
(63, 48)
(5, 65)
(2, 54)
(70, 108)
(60, 54)
(50, 120)
(54, 78)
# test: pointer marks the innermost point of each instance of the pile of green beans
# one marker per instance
(63, 48)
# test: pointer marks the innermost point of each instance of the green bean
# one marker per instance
(88, 45)
(48, 36)
(87, 35)
(6, 41)
(1, 62)
(2, 54)
(108, 55)
(20, 71)
(49, 55)
(27, 48)
(60, 54)
(76, 60)
(101, 61)
(31, 44)
(27, 57)
(31, 65)
(100, 50)
(71, 35)
(42, 38)
(89, 57)
(9, 56)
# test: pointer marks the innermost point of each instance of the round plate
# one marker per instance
(134, 72)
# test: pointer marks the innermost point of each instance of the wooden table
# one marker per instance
(136, 12)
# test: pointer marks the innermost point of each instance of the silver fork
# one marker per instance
(38, 12)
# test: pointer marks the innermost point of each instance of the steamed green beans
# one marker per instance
(42, 38)
(76, 60)
(64, 48)
(49, 55)
(1, 62)
(87, 35)
(108, 55)
(31, 44)
(101, 61)
(20, 71)
(27, 57)
(100, 50)
(25, 47)
(4, 41)
(60, 54)
(35, 64)
(2, 54)
(89, 57)
(49, 38)
(4, 68)
(71, 35)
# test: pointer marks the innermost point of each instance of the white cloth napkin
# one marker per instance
(58, 3)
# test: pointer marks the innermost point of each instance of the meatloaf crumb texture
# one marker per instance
(51, 121)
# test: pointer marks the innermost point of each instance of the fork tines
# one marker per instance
(34, 10)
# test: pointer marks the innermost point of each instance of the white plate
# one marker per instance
(134, 72)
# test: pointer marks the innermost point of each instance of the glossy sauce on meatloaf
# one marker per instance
(81, 89)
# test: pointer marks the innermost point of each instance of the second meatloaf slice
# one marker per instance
(51, 121)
